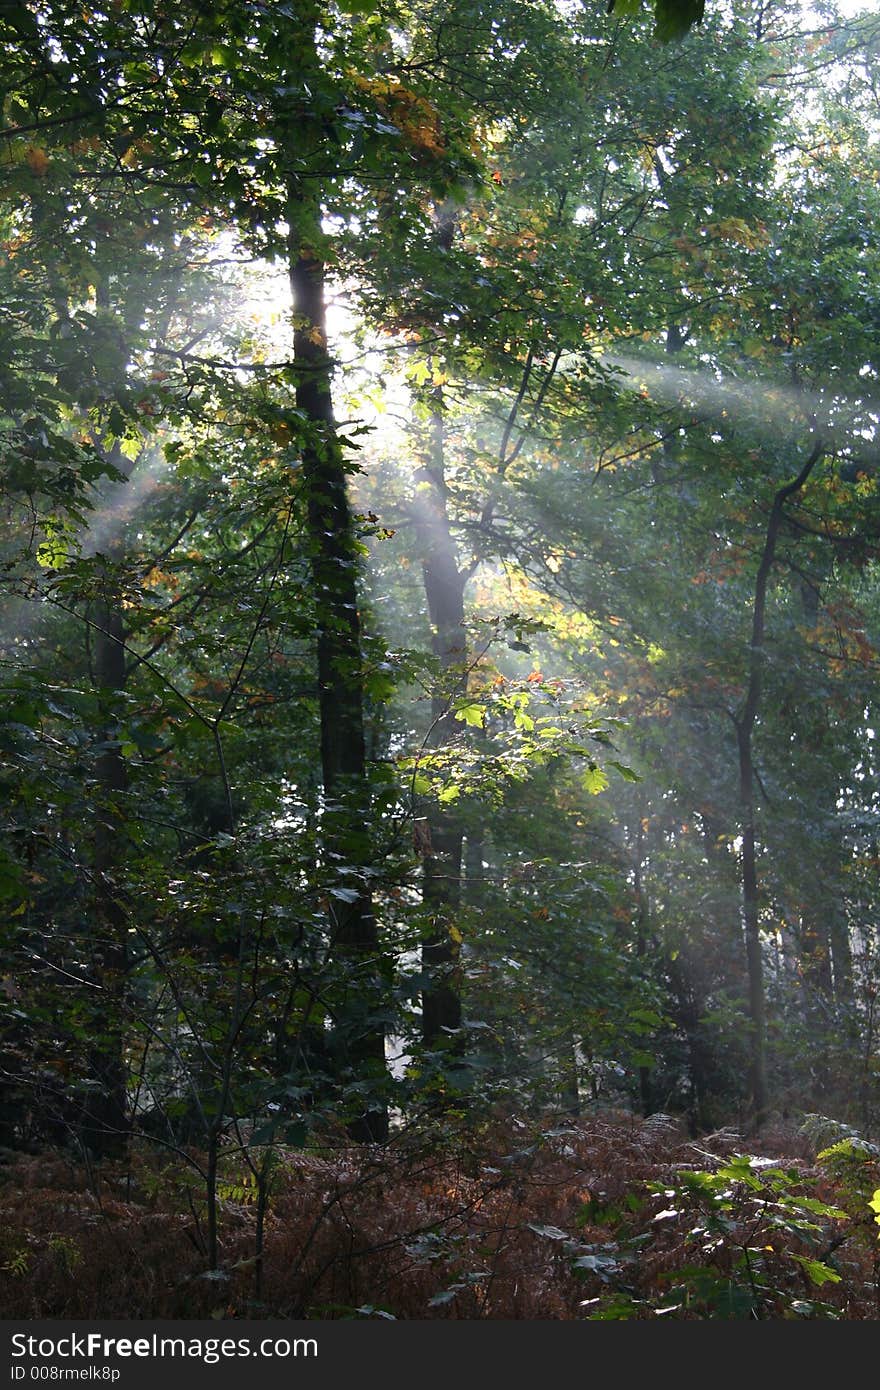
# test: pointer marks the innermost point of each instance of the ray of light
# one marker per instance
(844, 417)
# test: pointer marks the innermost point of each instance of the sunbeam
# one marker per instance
(847, 420)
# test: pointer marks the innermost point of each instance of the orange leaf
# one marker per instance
(38, 160)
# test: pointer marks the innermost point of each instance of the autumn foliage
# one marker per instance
(566, 1220)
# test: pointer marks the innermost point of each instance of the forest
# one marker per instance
(440, 567)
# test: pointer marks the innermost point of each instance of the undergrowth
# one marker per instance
(600, 1218)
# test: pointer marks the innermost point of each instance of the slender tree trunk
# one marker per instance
(105, 1119)
(474, 872)
(441, 892)
(825, 943)
(105, 1122)
(841, 956)
(569, 1078)
(745, 725)
(751, 925)
(642, 923)
(103, 1114)
(815, 945)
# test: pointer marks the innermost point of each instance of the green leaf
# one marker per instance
(594, 780)
(626, 772)
(817, 1272)
(472, 715)
(818, 1208)
(674, 18)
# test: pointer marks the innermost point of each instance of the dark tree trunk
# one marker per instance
(751, 927)
(699, 1060)
(569, 1077)
(815, 946)
(745, 725)
(642, 925)
(841, 956)
(824, 939)
(105, 1123)
(360, 1040)
(473, 867)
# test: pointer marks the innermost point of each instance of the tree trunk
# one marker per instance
(642, 924)
(824, 940)
(841, 956)
(441, 892)
(359, 1042)
(751, 926)
(745, 724)
(569, 1077)
(105, 1122)
(815, 945)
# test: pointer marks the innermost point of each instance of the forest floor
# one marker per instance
(608, 1216)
